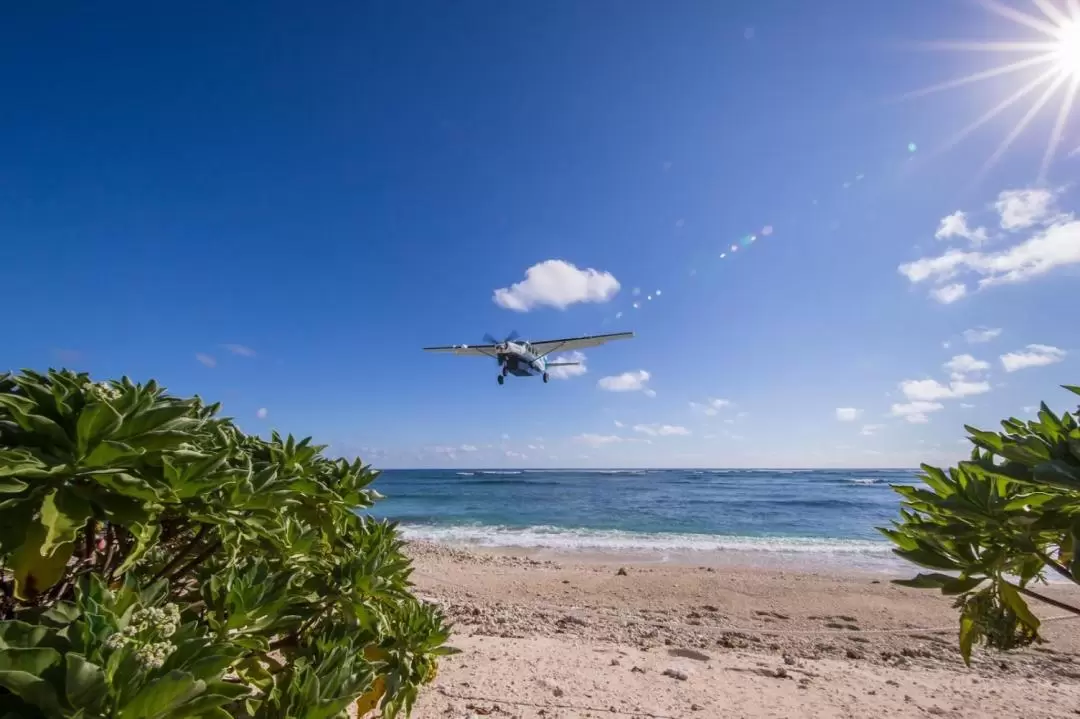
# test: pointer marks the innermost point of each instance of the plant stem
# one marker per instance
(182, 553)
(196, 561)
(89, 539)
(1055, 566)
(110, 549)
(1047, 600)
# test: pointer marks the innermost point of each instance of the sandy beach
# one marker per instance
(585, 636)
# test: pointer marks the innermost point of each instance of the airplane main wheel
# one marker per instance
(545, 377)
(501, 379)
(505, 370)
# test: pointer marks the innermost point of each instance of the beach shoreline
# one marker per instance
(566, 634)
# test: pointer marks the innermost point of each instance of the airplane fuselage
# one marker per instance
(518, 359)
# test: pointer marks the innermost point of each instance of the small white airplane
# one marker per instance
(528, 359)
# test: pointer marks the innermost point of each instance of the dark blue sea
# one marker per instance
(823, 514)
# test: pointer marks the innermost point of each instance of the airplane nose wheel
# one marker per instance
(501, 379)
(545, 377)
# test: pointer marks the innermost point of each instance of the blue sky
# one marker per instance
(278, 209)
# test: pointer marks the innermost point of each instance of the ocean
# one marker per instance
(760, 516)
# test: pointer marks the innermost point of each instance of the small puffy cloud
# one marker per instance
(847, 414)
(626, 382)
(515, 455)
(661, 430)
(949, 293)
(981, 334)
(711, 406)
(966, 364)
(575, 370)
(602, 440)
(930, 390)
(262, 413)
(467, 448)
(205, 359)
(869, 430)
(956, 225)
(558, 284)
(240, 350)
(915, 412)
(648, 392)
(1021, 209)
(619, 424)
(1032, 356)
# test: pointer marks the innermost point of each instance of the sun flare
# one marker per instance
(1054, 57)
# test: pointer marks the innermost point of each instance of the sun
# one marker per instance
(1054, 55)
(1068, 48)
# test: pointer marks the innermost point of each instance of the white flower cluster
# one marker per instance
(147, 626)
(102, 390)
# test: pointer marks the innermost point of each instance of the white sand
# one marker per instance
(567, 638)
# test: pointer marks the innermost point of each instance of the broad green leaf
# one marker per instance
(96, 422)
(153, 419)
(967, 637)
(144, 534)
(1072, 388)
(927, 558)
(33, 690)
(127, 485)
(84, 684)
(63, 514)
(162, 696)
(107, 452)
(1058, 473)
(32, 660)
(33, 572)
(10, 485)
(1012, 599)
(948, 585)
(14, 633)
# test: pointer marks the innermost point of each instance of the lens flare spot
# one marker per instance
(636, 305)
(658, 293)
(912, 147)
(766, 230)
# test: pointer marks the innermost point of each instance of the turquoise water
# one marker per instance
(828, 513)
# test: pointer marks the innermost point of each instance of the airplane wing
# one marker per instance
(576, 343)
(465, 350)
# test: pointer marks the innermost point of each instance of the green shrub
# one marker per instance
(158, 562)
(997, 523)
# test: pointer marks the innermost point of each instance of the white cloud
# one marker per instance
(262, 413)
(648, 392)
(965, 364)
(570, 370)
(661, 430)
(711, 406)
(949, 293)
(869, 430)
(505, 436)
(915, 412)
(1032, 356)
(1050, 248)
(515, 455)
(559, 284)
(626, 382)
(619, 424)
(1054, 243)
(467, 448)
(241, 350)
(930, 390)
(601, 440)
(955, 225)
(981, 334)
(205, 359)
(966, 405)
(847, 414)
(1021, 209)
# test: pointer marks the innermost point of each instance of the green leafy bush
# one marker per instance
(158, 562)
(997, 523)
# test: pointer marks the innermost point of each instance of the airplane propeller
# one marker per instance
(509, 338)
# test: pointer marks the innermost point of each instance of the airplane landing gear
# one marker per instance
(545, 377)
(501, 379)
